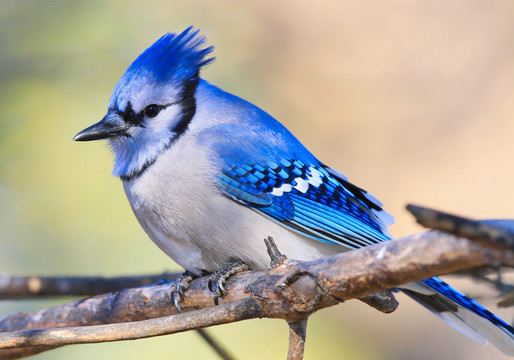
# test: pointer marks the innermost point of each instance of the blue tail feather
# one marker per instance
(443, 288)
(463, 313)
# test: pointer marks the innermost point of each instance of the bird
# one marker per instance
(209, 175)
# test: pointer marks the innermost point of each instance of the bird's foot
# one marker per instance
(179, 286)
(218, 279)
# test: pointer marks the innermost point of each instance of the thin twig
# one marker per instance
(507, 300)
(222, 353)
(216, 315)
(490, 275)
(39, 286)
(500, 233)
(277, 258)
(297, 335)
(383, 301)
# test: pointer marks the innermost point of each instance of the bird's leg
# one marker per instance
(218, 279)
(179, 286)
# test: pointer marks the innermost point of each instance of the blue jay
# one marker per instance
(209, 176)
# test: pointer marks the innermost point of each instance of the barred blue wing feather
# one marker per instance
(308, 199)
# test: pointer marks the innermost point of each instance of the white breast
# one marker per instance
(179, 206)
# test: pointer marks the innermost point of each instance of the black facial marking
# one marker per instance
(188, 106)
(138, 173)
(130, 117)
(187, 103)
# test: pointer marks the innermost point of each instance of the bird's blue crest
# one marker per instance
(174, 58)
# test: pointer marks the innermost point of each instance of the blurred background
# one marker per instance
(412, 100)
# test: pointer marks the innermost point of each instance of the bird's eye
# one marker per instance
(152, 111)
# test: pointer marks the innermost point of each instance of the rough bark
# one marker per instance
(291, 291)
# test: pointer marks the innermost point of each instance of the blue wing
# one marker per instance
(310, 199)
(265, 167)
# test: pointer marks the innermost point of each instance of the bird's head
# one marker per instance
(153, 102)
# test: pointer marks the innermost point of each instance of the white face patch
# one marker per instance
(145, 143)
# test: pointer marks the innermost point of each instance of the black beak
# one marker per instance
(110, 126)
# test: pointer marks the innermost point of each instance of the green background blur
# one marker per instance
(412, 100)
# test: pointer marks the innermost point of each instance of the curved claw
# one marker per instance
(176, 300)
(178, 288)
(219, 278)
(209, 284)
(220, 287)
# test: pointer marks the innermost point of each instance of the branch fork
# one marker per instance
(291, 290)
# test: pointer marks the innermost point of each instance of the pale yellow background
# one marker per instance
(412, 100)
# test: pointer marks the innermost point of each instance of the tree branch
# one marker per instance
(291, 291)
(500, 232)
(39, 286)
(216, 315)
(222, 353)
(297, 334)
